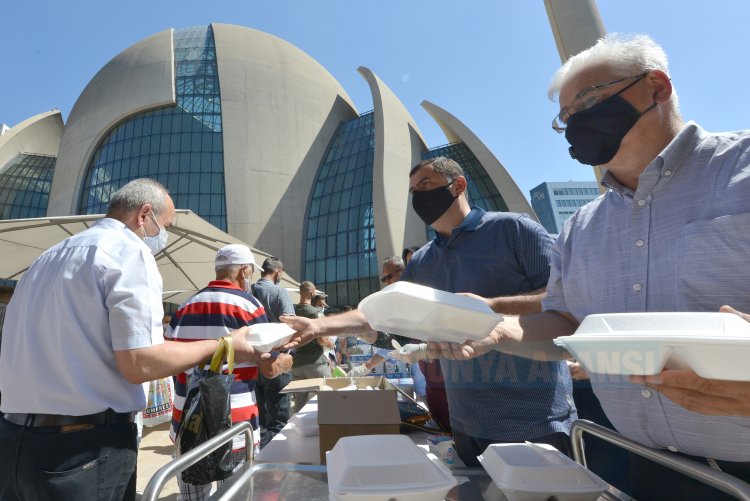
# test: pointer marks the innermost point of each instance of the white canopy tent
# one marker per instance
(186, 264)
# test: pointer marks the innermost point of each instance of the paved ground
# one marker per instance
(155, 451)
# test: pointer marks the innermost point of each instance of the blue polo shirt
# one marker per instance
(497, 396)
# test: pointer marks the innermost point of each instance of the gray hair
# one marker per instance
(136, 194)
(395, 261)
(625, 55)
(229, 270)
(272, 264)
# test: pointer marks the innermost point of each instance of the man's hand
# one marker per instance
(468, 349)
(577, 372)
(243, 351)
(359, 371)
(410, 353)
(697, 394)
(307, 330)
(277, 365)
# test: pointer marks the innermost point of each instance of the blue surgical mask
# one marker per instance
(157, 242)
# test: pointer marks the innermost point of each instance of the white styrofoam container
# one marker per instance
(428, 314)
(714, 345)
(305, 424)
(536, 472)
(264, 337)
(381, 467)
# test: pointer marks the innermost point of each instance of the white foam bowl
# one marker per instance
(428, 314)
(265, 337)
(714, 345)
(305, 424)
(382, 467)
(536, 472)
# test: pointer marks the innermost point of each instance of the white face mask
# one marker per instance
(248, 282)
(157, 242)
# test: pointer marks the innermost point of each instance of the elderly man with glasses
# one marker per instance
(670, 234)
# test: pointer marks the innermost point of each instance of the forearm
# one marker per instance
(531, 336)
(166, 359)
(353, 323)
(525, 304)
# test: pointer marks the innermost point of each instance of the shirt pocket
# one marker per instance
(713, 265)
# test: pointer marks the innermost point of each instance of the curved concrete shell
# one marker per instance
(456, 131)
(398, 147)
(39, 134)
(139, 78)
(280, 109)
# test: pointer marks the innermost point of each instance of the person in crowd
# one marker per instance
(225, 304)
(309, 360)
(668, 235)
(344, 342)
(275, 408)
(497, 398)
(82, 334)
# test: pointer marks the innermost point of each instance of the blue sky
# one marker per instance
(488, 62)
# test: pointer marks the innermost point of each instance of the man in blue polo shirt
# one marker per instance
(495, 397)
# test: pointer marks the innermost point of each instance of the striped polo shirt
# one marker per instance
(213, 312)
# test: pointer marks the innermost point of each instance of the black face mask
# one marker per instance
(595, 134)
(431, 204)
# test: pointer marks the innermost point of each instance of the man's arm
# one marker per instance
(528, 336)
(163, 360)
(353, 323)
(524, 304)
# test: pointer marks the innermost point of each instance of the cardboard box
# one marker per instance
(356, 412)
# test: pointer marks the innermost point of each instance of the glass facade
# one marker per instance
(25, 183)
(555, 202)
(339, 247)
(180, 146)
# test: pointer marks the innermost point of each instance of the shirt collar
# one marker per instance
(225, 284)
(671, 158)
(470, 223)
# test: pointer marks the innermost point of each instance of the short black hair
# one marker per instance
(412, 249)
(272, 264)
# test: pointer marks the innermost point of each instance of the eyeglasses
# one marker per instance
(387, 277)
(586, 99)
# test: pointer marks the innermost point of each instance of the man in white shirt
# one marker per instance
(82, 334)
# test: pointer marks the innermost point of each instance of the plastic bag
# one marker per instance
(206, 414)
(159, 403)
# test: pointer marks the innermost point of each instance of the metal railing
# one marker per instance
(716, 479)
(163, 474)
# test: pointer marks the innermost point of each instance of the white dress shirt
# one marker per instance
(92, 294)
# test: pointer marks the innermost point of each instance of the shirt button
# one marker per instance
(639, 243)
(637, 287)
(646, 393)
(673, 448)
(641, 203)
(667, 172)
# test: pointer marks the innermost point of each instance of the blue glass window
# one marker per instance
(25, 183)
(180, 146)
(339, 254)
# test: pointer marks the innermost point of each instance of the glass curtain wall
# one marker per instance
(179, 146)
(25, 183)
(339, 252)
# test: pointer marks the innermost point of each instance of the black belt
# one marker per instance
(39, 420)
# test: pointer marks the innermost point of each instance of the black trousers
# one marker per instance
(652, 481)
(274, 408)
(468, 448)
(97, 463)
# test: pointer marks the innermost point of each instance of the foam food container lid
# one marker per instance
(264, 337)
(305, 424)
(714, 345)
(539, 471)
(428, 314)
(378, 467)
